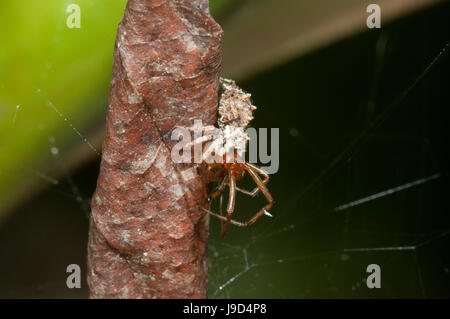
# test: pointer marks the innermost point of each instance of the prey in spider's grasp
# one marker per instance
(222, 159)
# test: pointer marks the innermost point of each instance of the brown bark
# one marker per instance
(148, 238)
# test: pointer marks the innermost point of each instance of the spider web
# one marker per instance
(384, 201)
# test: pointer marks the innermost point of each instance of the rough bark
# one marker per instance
(148, 238)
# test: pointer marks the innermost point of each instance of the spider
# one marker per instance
(218, 143)
(227, 174)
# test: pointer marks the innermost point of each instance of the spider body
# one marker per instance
(216, 172)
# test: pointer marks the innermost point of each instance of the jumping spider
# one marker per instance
(235, 112)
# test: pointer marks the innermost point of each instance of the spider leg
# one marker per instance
(231, 182)
(199, 141)
(248, 167)
(208, 128)
(231, 199)
(266, 193)
(232, 221)
(220, 189)
(221, 217)
(208, 134)
(211, 148)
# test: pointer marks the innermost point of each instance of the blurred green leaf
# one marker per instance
(45, 64)
(54, 84)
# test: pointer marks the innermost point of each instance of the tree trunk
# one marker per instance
(148, 237)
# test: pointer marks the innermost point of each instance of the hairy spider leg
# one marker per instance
(266, 193)
(232, 221)
(220, 189)
(209, 133)
(260, 185)
(253, 193)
